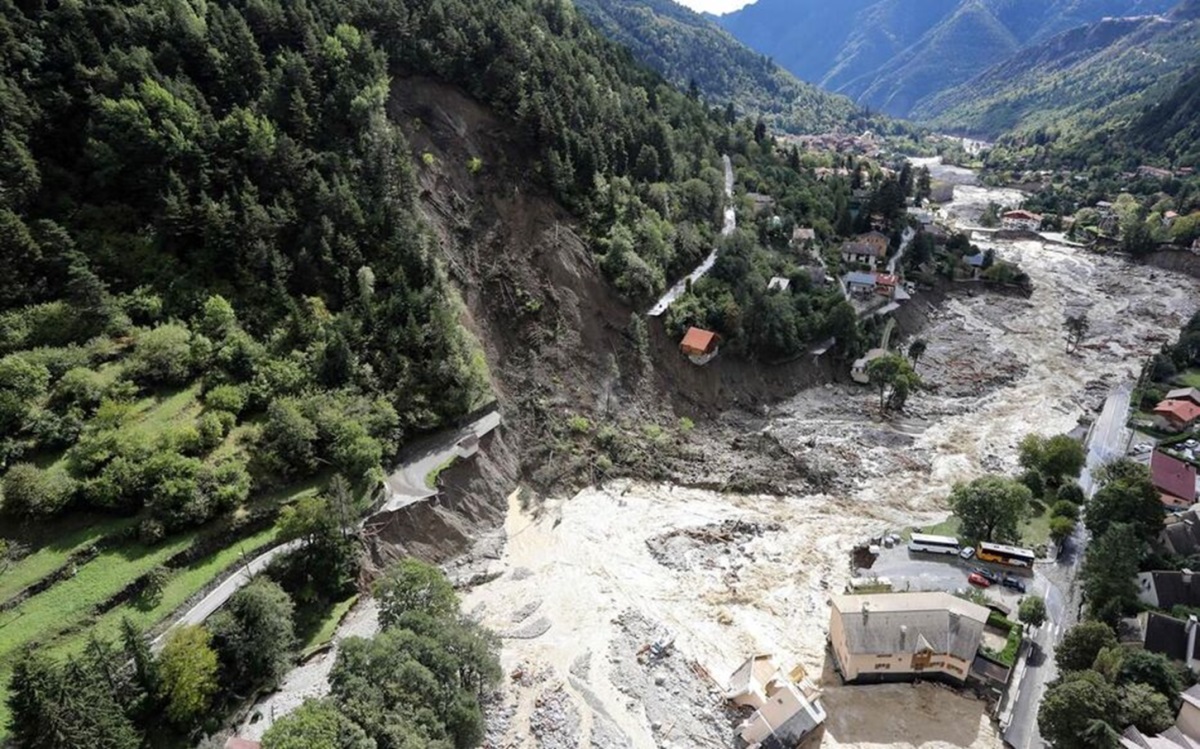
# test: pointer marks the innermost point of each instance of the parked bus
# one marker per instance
(933, 544)
(1003, 554)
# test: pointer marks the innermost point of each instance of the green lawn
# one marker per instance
(54, 554)
(183, 584)
(948, 527)
(156, 412)
(327, 626)
(1190, 378)
(1035, 531)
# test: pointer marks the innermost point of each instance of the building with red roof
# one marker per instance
(1174, 479)
(699, 345)
(1176, 415)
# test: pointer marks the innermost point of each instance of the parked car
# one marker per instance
(968, 552)
(1014, 583)
(988, 575)
(977, 579)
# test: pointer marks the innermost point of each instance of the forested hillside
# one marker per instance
(1086, 78)
(689, 49)
(892, 55)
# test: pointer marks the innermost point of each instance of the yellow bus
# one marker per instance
(1004, 554)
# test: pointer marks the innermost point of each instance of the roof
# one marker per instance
(1173, 476)
(1184, 394)
(1166, 635)
(884, 279)
(908, 622)
(975, 261)
(1022, 216)
(757, 668)
(778, 282)
(1183, 411)
(861, 279)
(804, 232)
(1183, 536)
(874, 236)
(862, 248)
(238, 743)
(698, 339)
(1175, 588)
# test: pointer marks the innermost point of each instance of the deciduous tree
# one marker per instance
(1070, 706)
(187, 674)
(1081, 644)
(317, 724)
(990, 508)
(1032, 611)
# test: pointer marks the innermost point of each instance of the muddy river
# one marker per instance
(573, 579)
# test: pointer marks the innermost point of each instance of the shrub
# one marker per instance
(30, 491)
(163, 356)
(1065, 509)
(229, 398)
(1071, 492)
(579, 424)
(80, 387)
(211, 429)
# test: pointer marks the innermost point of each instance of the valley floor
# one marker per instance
(587, 582)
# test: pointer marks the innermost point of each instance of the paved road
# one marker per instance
(730, 225)
(405, 486)
(223, 592)
(1107, 440)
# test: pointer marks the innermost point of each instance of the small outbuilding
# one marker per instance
(699, 345)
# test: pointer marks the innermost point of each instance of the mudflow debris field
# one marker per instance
(708, 579)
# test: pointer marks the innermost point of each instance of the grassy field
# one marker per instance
(1035, 531)
(63, 617)
(184, 584)
(321, 634)
(54, 553)
(1190, 378)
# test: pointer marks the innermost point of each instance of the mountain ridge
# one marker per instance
(686, 47)
(893, 57)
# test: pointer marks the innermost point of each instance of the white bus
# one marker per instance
(933, 544)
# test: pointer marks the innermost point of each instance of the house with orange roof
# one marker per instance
(1176, 415)
(700, 345)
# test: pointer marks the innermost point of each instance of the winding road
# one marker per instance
(405, 486)
(729, 227)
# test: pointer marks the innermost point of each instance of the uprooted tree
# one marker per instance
(1077, 328)
(895, 378)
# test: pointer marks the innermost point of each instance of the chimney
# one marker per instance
(1187, 576)
(866, 610)
(903, 637)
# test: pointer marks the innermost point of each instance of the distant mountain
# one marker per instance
(894, 55)
(1093, 76)
(686, 47)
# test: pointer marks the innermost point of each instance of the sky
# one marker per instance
(714, 6)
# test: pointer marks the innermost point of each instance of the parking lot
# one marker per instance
(916, 571)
